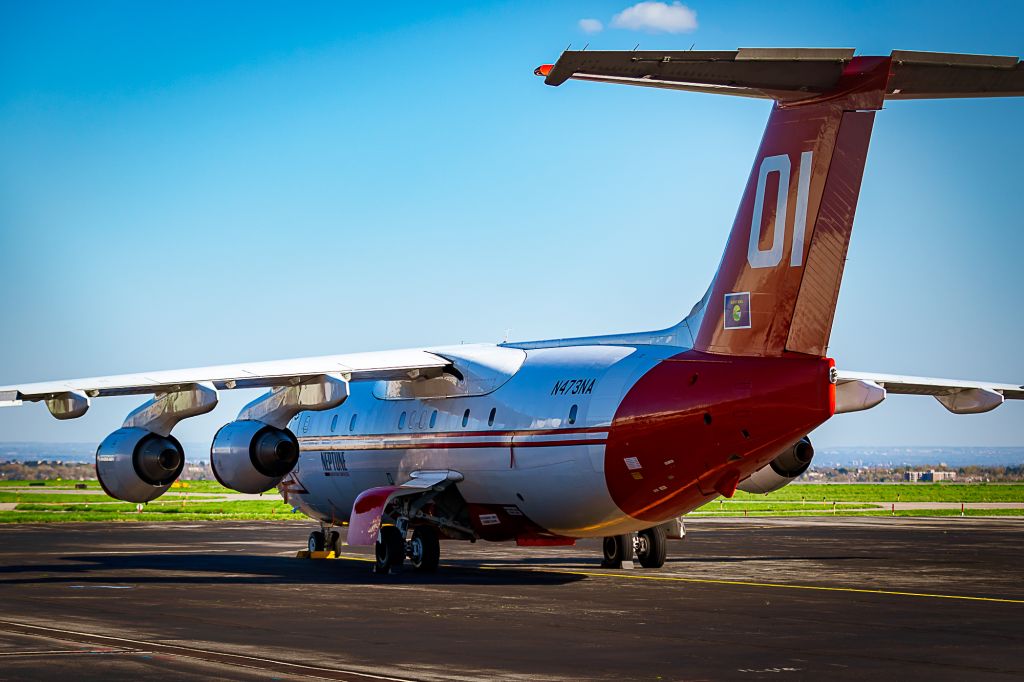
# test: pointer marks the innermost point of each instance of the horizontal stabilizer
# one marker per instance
(791, 74)
(863, 390)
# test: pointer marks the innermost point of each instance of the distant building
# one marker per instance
(929, 476)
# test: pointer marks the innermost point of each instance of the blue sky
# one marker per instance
(185, 184)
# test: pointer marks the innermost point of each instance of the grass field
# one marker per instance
(60, 516)
(60, 501)
(61, 484)
(895, 492)
(57, 501)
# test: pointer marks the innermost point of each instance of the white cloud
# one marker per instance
(591, 25)
(657, 17)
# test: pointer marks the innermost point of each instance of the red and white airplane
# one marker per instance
(607, 436)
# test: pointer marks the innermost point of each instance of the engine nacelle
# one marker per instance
(136, 465)
(252, 457)
(782, 470)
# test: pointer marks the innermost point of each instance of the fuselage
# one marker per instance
(573, 441)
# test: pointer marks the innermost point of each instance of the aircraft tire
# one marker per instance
(617, 549)
(316, 541)
(426, 549)
(390, 550)
(653, 547)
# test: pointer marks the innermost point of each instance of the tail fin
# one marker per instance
(778, 282)
(776, 288)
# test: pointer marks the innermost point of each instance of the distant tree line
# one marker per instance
(883, 474)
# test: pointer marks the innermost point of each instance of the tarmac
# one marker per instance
(757, 598)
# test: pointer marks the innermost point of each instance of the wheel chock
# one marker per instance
(306, 554)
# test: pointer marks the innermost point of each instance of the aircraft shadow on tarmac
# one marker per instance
(229, 569)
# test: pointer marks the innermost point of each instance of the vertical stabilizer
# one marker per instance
(778, 282)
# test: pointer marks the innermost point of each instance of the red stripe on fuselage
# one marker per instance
(455, 439)
(464, 434)
(456, 445)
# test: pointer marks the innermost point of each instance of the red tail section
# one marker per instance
(777, 285)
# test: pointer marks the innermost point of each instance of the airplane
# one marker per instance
(614, 437)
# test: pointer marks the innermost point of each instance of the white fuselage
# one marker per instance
(526, 428)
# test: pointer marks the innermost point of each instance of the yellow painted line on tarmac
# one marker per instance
(742, 583)
(670, 578)
(355, 557)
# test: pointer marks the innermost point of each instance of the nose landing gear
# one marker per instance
(324, 540)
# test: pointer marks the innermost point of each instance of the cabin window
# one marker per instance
(465, 418)
(412, 420)
(401, 421)
(433, 418)
(352, 423)
(490, 417)
(572, 413)
(334, 423)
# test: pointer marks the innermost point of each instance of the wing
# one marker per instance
(857, 391)
(397, 364)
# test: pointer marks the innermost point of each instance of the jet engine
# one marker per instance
(251, 456)
(785, 468)
(137, 465)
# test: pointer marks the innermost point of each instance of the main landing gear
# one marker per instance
(649, 547)
(391, 550)
(424, 549)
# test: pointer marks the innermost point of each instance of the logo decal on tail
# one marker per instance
(737, 310)
(772, 256)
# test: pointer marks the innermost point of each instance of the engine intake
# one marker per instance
(784, 469)
(252, 457)
(136, 465)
